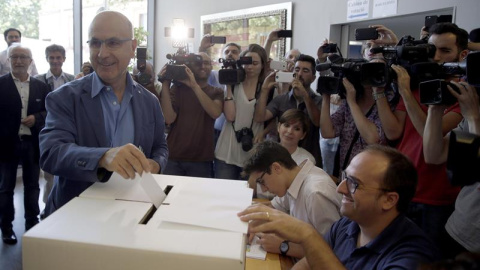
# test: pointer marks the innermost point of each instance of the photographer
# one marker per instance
(356, 123)
(190, 107)
(300, 96)
(463, 227)
(151, 85)
(239, 130)
(434, 200)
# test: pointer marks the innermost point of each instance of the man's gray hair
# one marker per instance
(18, 45)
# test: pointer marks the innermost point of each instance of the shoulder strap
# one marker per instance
(355, 139)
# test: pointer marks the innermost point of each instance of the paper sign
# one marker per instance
(382, 8)
(357, 9)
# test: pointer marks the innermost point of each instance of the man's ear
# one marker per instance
(463, 55)
(390, 201)
(276, 168)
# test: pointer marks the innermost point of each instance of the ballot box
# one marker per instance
(115, 225)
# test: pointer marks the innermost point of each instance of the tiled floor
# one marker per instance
(11, 255)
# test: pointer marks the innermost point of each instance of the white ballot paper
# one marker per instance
(140, 189)
(208, 204)
(152, 189)
(255, 250)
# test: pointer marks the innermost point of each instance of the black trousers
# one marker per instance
(24, 152)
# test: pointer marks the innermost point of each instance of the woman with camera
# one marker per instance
(356, 122)
(236, 137)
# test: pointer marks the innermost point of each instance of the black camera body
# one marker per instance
(245, 137)
(435, 92)
(349, 68)
(142, 77)
(329, 48)
(232, 71)
(176, 67)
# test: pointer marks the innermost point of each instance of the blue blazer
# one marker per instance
(74, 138)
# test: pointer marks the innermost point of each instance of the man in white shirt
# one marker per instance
(11, 36)
(55, 77)
(304, 191)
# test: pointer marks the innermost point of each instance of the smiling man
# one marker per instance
(104, 122)
(305, 192)
(374, 233)
(22, 116)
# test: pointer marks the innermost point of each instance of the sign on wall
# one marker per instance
(357, 9)
(382, 8)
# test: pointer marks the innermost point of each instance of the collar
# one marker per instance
(384, 240)
(50, 74)
(98, 85)
(294, 188)
(17, 79)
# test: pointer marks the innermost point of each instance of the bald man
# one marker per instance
(103, 123)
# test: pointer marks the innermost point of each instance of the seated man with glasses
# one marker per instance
(374, 233)
(190, 107)
(304, 191)
(104, 122)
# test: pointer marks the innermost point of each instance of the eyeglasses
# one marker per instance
(21, 57)
(352, 184)
(111, 43)
(260, 179)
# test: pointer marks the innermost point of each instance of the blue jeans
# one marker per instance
(195, 169)
(25, 152)
(227, 171)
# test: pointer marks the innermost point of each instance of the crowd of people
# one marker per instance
(383, 199)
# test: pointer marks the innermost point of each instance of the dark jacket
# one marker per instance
(11, 111)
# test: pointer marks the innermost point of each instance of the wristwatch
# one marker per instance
(284, 248)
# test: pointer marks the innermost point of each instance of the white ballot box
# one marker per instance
(114, 225)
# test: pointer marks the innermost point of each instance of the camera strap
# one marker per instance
(355, 139)
(259, 87)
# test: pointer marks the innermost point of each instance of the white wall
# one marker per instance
(311, 18)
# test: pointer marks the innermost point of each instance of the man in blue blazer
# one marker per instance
(104, 122)
(22, 116)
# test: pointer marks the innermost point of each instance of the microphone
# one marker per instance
(474, 35)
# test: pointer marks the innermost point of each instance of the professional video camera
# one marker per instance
(176, 66)
(435, 91)
(463, 158)
(232, 71)
(142, 77)
(408, 51)
(357, 71)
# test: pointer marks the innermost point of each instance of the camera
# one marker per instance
(218, 39)
(408, 51)
(176, 66)
(431, 20)
(463, 158)
(232, 71)
(366, 33)
(435, 90)
(284, 77)
(245, 137)
(329, 48)
(142, 77)
(285, 33)
(278, 65)
(349, 68)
